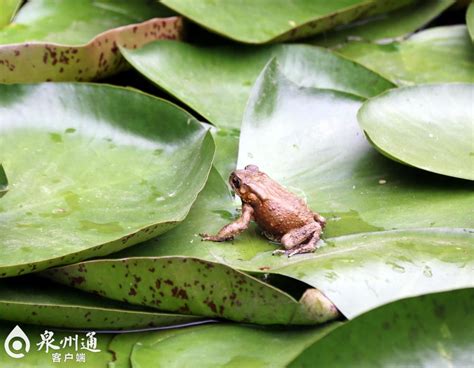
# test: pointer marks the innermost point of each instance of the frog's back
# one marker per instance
(276, 216)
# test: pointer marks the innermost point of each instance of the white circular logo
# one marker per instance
(15, 342)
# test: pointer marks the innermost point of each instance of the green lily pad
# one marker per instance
(225, 346)
(428, 331)
(314, 146)
(436, 55)
(69, 355)
(59, 40)
(92, 170)
(248, 21)
(430, 127)
(194, 286)
(384, 27)
(216, 81)
(44, 303)
(3, 182)
(470, 20)
(9, 9)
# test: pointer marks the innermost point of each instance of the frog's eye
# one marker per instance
(236, 182)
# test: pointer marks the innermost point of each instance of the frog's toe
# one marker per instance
(279, 252)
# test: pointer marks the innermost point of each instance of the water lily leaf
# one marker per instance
(218, 80)
(40, 302)
(194, 286)
(470, 20)
(227, 148)
(314, 145)
(57, 40)
(430, 127)
(247, 21)
(92, 170)
(384, 27)
(3, 182)
(37, 357)
(224, 345)
(9, 9)
(436, 55)
(428, 331)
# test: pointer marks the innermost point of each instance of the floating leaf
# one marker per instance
(470, 20)
(37, 357)
(314, 145)
(216, 81)
(424, 126)
(189, 285)
(384, 27)
(428, 331)
(436, 55)
(3, 182)
(92, 170)
(224, 346)
(43, 303)
(248, 21)
(60, 40)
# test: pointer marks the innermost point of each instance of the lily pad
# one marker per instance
(59, 40)
(3, 182)
(314, 146)
(430, 127)
(428, 331)
(384, 27)
(436, 55)
(216, 81)
(225, 346)
(40, 302)
(38, 357)
(194, 286)
(248, 21)
(92, 170)
(470, 20)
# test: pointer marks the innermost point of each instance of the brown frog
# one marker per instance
(281, 215)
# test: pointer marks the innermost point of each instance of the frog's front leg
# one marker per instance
(294, 240)
(233, 229)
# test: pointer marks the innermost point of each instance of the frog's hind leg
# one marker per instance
(296, 237)
(308, 247)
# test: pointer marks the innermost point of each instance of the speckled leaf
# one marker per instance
(428, 331)
(44, 303)
(429, 127)
(314, 145)
(35, 358)
(224, 346)
(92, 170)
(3, 182)
(218, 80)
(384, 27)
(470, 20)
(61, 40)
(436, 55)
(193, 286)
(248, 21)
(8, 10)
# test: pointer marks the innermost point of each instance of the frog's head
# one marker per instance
(249, 184)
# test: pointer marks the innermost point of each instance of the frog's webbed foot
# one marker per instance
(309, 247)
